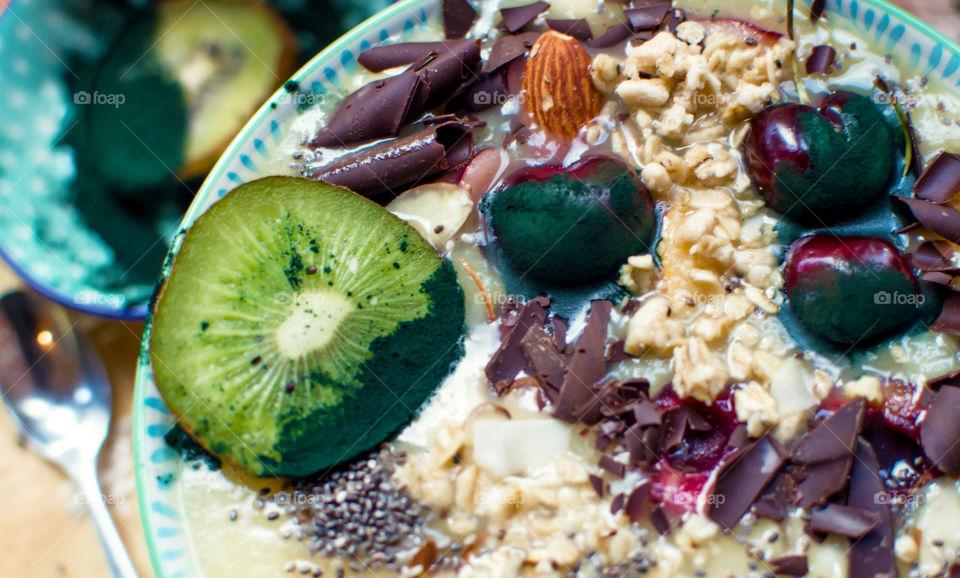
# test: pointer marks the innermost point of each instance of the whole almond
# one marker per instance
(557, 85)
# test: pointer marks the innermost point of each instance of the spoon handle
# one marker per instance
(117, 557)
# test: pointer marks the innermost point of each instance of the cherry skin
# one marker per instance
(821, 165)
(572, 225)
(850, 290)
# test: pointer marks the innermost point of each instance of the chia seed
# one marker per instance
(356, 512)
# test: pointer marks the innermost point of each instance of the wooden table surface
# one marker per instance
(44, 530)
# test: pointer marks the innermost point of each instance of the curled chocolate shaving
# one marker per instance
(383, 107)
(949, 319)
(394, 164)
(380, 58)
(816, 9)
(516, 17)
(509, 359)
(741, 478)
(458, 17)
(940, 430)
(872, 555)
(576, 27)
(613, 36)
(940, 180)
(821, 59)
(941, 219)
(792, 565)
(843, 520)
(936, 256)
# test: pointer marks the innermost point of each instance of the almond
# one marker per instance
(557, 85)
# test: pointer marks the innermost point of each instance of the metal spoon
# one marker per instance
(53, 381)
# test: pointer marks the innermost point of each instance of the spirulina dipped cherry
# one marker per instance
(821, 165)
(575, 224)
(850, 290)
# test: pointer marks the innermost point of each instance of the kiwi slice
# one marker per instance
(302, 324)
(178, 84)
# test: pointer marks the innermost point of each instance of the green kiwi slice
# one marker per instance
(178, 84)
(302, 324)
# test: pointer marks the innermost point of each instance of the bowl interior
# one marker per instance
(915, 46)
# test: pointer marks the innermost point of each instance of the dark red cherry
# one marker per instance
(850, 290)
(821, 165)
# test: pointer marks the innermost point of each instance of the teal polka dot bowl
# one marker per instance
(914, 46)
(45, 233)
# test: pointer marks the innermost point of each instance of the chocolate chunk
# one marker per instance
(940, 430)
(949, 319)
(647, 17)
(816, 9)
(380, 58)
(614, 35)
(777, 498)
(940, 180)
(646, 413)
(742, 477)
(458, 17)
(818, 483)
(792, 565)
(578, 400)
(617, 504)
(508, 48)
(507, 362)
(548, 364)
(576, 27)
(936, 256)
(821, 59)
(612, 466)
(660, 521)
(636, 506)
(515, 18)
(377, 110)
(835, 438)
(872, 555)
(843, 520)
(392, 165)
(597, 483)
(940, 219)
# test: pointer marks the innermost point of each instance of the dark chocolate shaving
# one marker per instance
(612, 466)
(515, 18)
(597, 483)
(777, 498)
(646, 413)
(843, 520)
(636, 506)
(835, 438)
(940, 219)
(614, 35)
(577, 400)
(617, 504)
(817, 8)
(377, 110)
(936, 256)
(616, 353)
(391, 165)
(940, 180)
(916, 162)
(660, 521)
(648, 17)
(938, 278)
(445, 75)
(742, 477)
(872, 555)
(821, 59)
(576, 27)
(949, 319)
(509, 360)
(547, 362)
(792, 565)
(458, 17)
(940, 430)
(674, 18)
(817, 483)
(508, 48)
(380, 58)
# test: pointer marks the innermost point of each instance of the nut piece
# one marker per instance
(557, 84)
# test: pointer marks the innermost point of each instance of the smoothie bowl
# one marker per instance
(572, 290)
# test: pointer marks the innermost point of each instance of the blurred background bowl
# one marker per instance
(111, 113)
